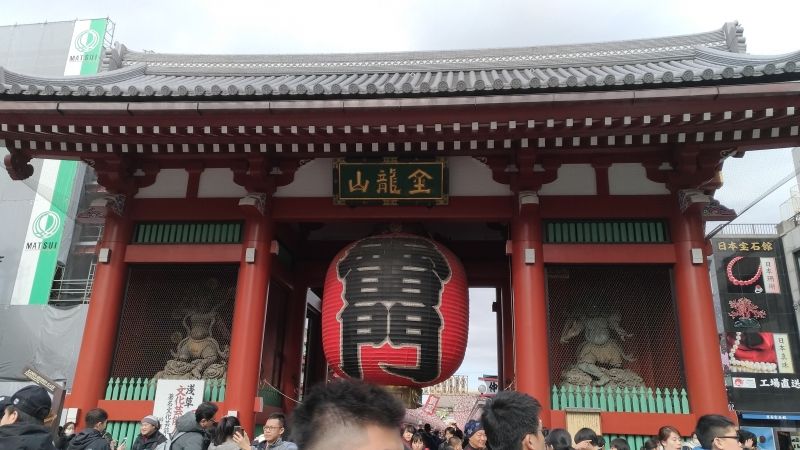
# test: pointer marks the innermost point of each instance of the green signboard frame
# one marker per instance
(390, 181)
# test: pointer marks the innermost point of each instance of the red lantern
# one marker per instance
(395, 311)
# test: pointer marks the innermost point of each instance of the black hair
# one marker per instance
(95, 416)
(744, 435)
(650, 444)
(205, 410)
(410, 428)
(459, 434)
(278, 416)
(559, 439)
(509, 417)
(338, 407)
(711, 426)
(588, 434)
(417, 437)
(620, 444)
(224, 429)
(22, 416)
(427, 427)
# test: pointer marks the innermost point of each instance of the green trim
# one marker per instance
(636, 400)
(188, 233)
(606, 232)
(90, 66)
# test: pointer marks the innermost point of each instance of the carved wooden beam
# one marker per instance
(18, 165)
(124, 175)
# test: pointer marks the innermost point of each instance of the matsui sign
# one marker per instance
(395, 311)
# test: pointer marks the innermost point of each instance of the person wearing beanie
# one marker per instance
(21, 426)
(474, 436)
(150, 435)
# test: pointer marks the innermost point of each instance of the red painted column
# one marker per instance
(293, 344)
(699, 341)
(530, 303)
(102, 320)
(507, 335)
(249, 317)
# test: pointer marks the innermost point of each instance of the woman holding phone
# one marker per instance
(223, 434)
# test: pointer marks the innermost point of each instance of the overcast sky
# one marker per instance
(302, 26)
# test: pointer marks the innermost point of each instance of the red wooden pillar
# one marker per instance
(699, 341)
(102, 320)
(293, 344)
(530, 303)
(507, 334)
(249, 317)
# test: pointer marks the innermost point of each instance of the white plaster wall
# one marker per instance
(170, 183)
(218, 183)
(573, 179)
(313, 179)
(631, 179)
(470, 177)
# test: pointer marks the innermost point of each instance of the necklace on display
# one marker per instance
(748, 366)
(736, 281)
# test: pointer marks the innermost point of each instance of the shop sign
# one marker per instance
(390, 182)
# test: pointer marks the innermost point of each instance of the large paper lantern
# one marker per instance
(395, 311)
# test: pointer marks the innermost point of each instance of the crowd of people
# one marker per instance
(344, 414)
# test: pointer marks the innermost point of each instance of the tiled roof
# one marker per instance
(704, 58)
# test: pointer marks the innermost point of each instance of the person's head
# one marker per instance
(587, 439)
(274, 427)
(512, 422)
(149, 425)
(30, 404)
(748, 439)
(455, 442)
(475, 435)
(96, 418)
(619, 444)
(204, 415)
(347, 414)
(408, 432)
(448, 432)
(669, 438)
(558, 439)
(417, 443)
(427, 427)
(224, 429)
(717, 432)
(650, 444)
(69, 429)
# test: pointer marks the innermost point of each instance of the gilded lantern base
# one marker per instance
(411, 397)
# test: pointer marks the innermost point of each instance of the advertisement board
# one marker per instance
(760, 338)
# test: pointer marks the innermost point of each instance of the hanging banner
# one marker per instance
(174, 398)
(50, 224)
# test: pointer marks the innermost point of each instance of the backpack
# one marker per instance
(167, 445)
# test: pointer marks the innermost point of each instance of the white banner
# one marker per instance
(770, 273)
(175, 398)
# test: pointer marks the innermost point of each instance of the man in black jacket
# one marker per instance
(91, 438)
(21, 426)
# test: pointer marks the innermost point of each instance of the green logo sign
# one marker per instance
(87, 41)
(46, 225)
(390, 182)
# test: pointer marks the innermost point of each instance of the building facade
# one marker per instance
(575, 180)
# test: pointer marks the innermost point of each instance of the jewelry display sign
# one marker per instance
(760, 350)
(390, 181)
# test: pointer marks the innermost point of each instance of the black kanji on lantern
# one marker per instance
(391, 288)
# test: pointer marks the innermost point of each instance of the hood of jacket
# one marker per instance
(187, 422)
(85, 438)
(25, 436)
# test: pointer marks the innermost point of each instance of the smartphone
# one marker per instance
(238, 429)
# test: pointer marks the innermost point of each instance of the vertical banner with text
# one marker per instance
(56, 184)
(175, 398)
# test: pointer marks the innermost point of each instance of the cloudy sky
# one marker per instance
(305, 26)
